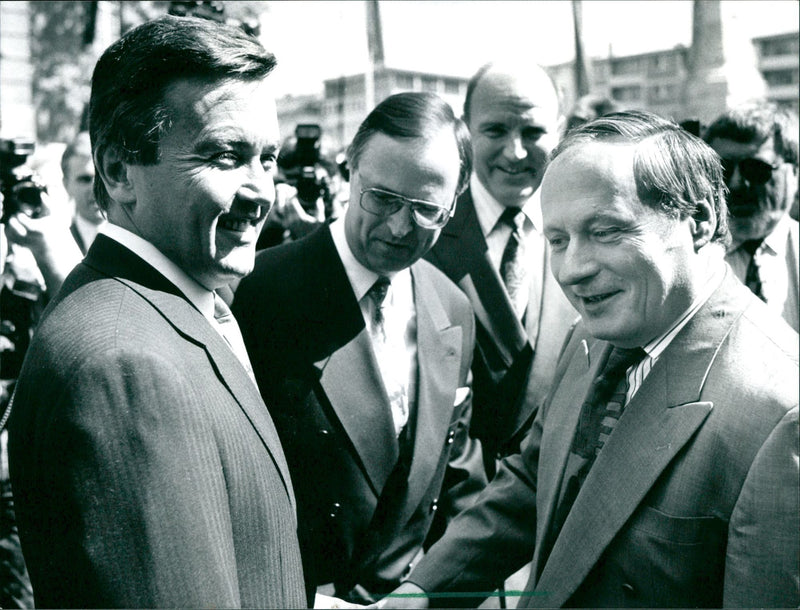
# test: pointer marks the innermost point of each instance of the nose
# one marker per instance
(514, 149)
(258, 190)
(736, 180)
(574, 265)
(400, 223)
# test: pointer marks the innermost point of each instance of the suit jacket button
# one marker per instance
(628, 588)
(324, 433)
(435, 505)
(334, 510)
(450, 436)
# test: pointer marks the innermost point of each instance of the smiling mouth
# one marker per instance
(597, 298)
(518, 171)
(232, 223)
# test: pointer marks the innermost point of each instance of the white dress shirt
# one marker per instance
(397, 357)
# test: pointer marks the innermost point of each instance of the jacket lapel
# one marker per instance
(463, 253)
(111, 258)
(352, 383)
(439, 358)
(660, 419)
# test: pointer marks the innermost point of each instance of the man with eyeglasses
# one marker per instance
(362, 352)
(758, 144)
(77, 168)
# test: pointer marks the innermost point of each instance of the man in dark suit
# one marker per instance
(371, 392)
(77, 167)
(662, 470)
(758, 144)
(146, 469)
(503, 267)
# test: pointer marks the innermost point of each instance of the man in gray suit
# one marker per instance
(146, 468)
(662, 470)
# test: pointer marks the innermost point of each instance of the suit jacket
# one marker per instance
(146, 469)
(366, 501)
(513, 364)
(694, 499)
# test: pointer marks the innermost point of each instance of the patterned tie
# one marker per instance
(753, 275)
(378, 295)
(229, 329)
(599, 414)
(512, 265)
(605, 401)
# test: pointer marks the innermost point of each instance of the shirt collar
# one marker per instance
(775, 242)
(488, 209)
(199, 296)
(361, 278)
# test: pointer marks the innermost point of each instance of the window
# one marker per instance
(404, 82)
(627, 94)
(429, 83)
(776, 78)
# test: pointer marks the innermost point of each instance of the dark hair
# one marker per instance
(590, 107)
(673, 169)
(472, 84)
(755, 122)
(414, 115)
(127, 111)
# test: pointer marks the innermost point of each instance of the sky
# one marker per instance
(318, 40)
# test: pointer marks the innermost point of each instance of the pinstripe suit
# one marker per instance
(146, 469)
(694, 500)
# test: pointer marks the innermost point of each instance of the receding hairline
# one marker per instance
(533, 83)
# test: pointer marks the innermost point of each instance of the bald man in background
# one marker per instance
(514, 121)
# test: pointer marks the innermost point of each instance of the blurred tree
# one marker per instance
(63, 54)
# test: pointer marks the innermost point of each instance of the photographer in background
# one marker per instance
(36, 253)
(309, 194)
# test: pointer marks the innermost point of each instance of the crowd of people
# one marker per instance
(530, 343)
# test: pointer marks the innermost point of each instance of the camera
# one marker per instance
(21, 189)
(304, 169)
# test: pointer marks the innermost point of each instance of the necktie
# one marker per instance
(603, 405)
(512, 264)
(229, 329)
(388, 349)
(378, 295)
(753, 275)
(599, 414)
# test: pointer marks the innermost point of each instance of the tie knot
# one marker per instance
(513, 217)
(620, 360)
(379, 289)
(751, 245)
(221, 309)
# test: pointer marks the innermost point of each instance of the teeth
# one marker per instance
(232, 224)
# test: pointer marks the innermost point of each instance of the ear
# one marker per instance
(113, 171)
(703, 224)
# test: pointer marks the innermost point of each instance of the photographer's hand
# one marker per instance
(289, 212)
(51, 243)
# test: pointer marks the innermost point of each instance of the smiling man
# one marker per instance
(362, 351)
(146, 469)
(495, 251)
(662, 470)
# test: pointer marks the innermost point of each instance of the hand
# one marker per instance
(407, 595)
(326, 601)
(51, 243)
(291, 215)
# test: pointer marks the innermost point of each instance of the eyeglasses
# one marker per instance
(385, 203)
(755, 171)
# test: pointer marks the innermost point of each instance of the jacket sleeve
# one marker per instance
(762, 564)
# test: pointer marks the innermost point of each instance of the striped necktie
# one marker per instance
(512, 265)
(753, 275)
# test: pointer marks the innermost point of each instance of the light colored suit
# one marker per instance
(367, 501)
(513, 364)
(146, 469)
(693, 501)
